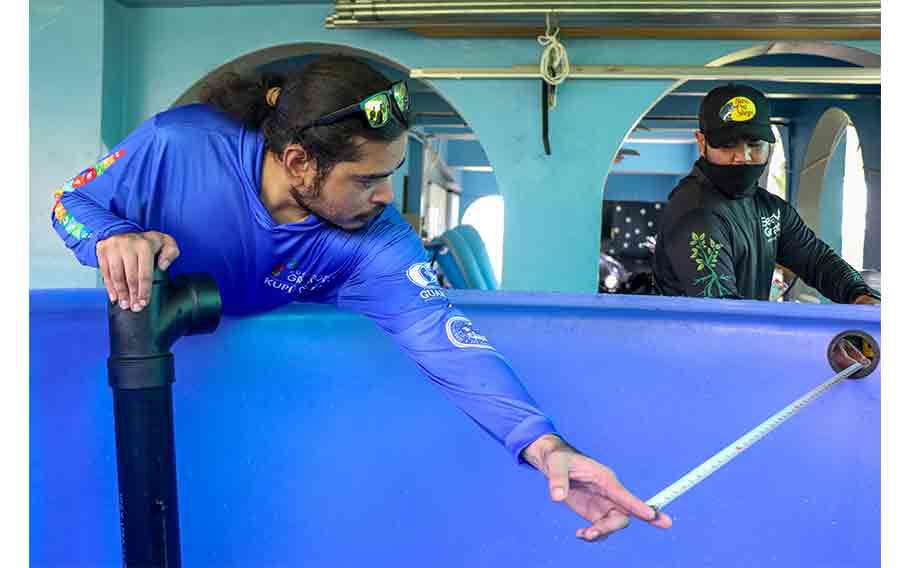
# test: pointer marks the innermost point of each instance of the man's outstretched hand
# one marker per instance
(588, 488)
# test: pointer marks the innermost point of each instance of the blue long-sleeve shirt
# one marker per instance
(195, 174)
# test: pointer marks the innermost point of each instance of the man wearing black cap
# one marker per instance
(721, 234)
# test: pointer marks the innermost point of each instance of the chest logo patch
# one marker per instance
(770, 226)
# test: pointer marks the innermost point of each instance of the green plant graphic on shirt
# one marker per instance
(704, 253)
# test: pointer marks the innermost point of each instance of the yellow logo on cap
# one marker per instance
(737, 109)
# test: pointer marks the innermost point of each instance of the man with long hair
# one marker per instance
(279, 188)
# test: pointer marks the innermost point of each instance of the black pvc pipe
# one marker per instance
(140, 372)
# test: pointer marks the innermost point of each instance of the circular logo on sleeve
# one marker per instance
(462, 334)
(422, 275)
(737, 109)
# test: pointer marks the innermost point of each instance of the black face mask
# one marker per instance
(735, 182)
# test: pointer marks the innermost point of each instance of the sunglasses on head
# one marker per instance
(378, 108)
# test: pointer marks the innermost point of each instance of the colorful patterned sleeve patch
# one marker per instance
(63, 217)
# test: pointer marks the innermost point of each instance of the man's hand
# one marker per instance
(127, 263)
(588, 488)
(866, 299)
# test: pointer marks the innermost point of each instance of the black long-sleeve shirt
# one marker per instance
(711, 245)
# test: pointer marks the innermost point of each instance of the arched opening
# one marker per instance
(660, 148)
(446, 168)
(822, 168)
(775, 177)
(833, 193)
(855, 201)
(486, 214)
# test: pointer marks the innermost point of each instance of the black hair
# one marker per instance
(320, 87)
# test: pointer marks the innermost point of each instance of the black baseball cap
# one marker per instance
(734, 111)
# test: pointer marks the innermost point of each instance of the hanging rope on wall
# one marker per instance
(554, 61)
(554, 69)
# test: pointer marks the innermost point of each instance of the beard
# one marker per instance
(307, 197)
(311, 200)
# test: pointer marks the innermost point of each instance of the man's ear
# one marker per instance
(700, 139)
(297, 161)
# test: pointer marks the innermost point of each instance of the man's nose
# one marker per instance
(383, 194)
(742, 154)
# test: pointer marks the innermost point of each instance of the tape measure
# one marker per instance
(722, 457)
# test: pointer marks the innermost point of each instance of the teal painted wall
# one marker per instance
(65, 83)
(664, 159)
(415, 177)
(398, 182)
(553, 203)
(631, 187)
(115, 87)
